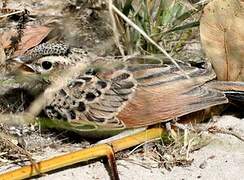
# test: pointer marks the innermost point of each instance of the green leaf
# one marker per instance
(83, 128)
(185, 26)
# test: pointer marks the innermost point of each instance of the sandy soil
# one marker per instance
(223, 158)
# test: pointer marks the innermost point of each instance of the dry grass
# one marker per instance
(169, 151)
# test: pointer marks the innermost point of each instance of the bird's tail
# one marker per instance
(233, 90)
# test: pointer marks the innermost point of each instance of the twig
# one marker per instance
(10, 14)
(20, 150)
(115, 30)
(94, 152)
(133, 150)
(138, 163)
(214, 129)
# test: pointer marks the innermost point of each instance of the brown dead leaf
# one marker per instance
(5, 38)
(32, 37)
(222, 37)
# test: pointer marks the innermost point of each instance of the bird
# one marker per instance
(114, 94)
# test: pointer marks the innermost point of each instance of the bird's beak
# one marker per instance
(28, 68)
(17, 60)
(22, 64)
(14, 61)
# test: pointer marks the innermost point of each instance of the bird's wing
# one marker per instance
(135, 95)
(94, 98)
(165, 93)
(233, 90)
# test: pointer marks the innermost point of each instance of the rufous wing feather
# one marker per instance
(165, 93)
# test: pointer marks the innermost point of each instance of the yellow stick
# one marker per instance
(94, 152)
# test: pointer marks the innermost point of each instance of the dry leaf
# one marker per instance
(222, 37)
(32, 37)
(5, 38)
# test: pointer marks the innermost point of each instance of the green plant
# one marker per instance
(162, 20)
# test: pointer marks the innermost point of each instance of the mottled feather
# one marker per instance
(114, 93)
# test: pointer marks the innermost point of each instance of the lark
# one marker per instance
(121, 93)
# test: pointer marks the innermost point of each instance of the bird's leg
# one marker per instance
(170, 131)
(180, 126)
(175, 123)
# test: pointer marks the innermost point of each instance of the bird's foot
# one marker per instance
(172, 131)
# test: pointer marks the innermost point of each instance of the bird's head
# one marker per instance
(47, 58)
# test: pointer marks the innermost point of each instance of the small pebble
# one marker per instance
(203, 165)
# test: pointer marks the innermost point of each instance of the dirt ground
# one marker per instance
(222, 158)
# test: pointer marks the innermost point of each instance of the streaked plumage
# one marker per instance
(117, 94)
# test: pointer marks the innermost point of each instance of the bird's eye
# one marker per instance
(46, 65)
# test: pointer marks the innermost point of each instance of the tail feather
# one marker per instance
(234, 90)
